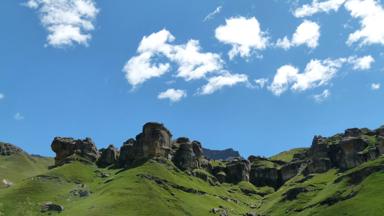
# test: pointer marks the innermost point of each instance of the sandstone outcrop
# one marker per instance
(69, 149)
(237, 170)
(108, 156)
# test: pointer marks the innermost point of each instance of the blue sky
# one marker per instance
(258, 76)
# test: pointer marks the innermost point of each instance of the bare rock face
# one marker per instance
(347, 154)
(9, 149)
(237, 170)
(189, 155)
(265, 176)
(127, 153)
(68, 149)
(109, 156)
(154, 141)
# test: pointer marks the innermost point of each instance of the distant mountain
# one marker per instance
(220, 154)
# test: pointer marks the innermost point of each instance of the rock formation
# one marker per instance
(108, 156)
(341, 151)
(69, 149)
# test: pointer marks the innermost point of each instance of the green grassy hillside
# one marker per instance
(19, 166)
(159, 188)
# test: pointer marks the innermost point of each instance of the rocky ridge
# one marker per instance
(341, 151)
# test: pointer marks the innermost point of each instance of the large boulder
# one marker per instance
(109, 156)
(237, 170)
(69, 149)
(9, 149)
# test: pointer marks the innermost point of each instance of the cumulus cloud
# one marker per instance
(318, 7)
(191, 62)
(319, 98)
(285, 75)
(362, 63)
(307, 33)
(218, 82)
(18, 117)
(174, 95)
(243, 34)
(68, 22)
(213, 14)
(371, 15)
(316, 73)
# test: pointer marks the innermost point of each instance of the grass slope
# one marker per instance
(153, 188)
(21, 165)
(158, 188)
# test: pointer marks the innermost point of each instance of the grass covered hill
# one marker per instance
(156, 175)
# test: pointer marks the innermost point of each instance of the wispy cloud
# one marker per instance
(213, 14)
(68, 22)
(318, 7)
(319, 98)
(218, 82)
(18, 117)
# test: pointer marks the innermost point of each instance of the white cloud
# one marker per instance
(371, 15)
(174, 95)
(316, 73)
(319, 98)
(243, 34)
(213, 14)
(67, 21)
(193, 64)
(317, 7)
(375, 86)
(284, 77)
(307, 33)
(191, 61)
(2, 96)
(18, 117)
(362, 63)
(218, 82)
(262, 82)
(139, 69)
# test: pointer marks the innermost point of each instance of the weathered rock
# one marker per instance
(265, 176)
(50, 206)
(347, 154)
(109, 156)
(237, 170)
(127, 153)
(290, 170)
(7, 183)
(68, 149)
(154, 141)
(9, 149)
(353, 132)
(184, 157)
(318, 165)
